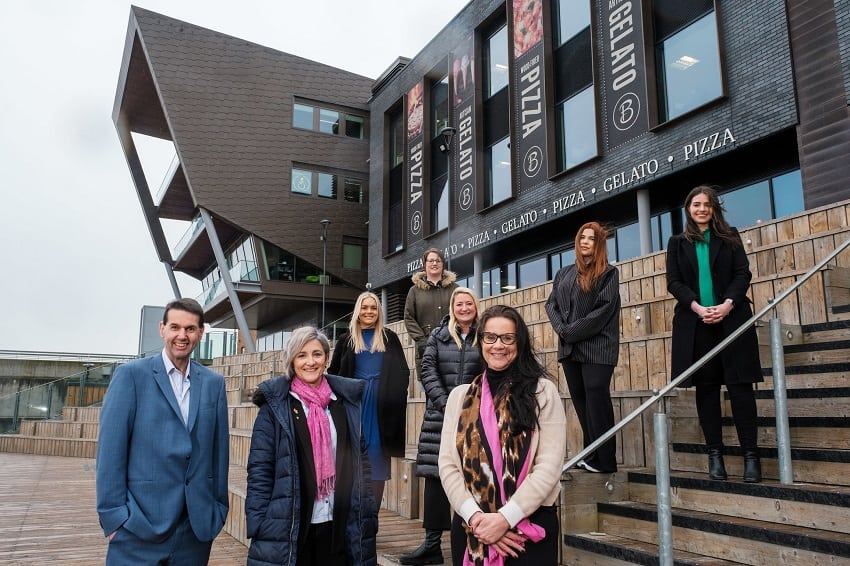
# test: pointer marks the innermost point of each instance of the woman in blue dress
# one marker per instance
(373, 353)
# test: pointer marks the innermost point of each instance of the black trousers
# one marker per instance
(437, 514)
(542, 553)
(708, 381)
(317, 549)
(590, 389)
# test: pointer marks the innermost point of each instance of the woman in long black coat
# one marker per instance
(451, 358)
(708, 273)
(374, 354)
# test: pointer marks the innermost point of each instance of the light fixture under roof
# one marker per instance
(685, 62)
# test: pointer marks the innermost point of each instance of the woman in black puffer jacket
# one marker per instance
(451, 358)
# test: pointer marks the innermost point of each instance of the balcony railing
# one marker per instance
(196, 226)
(242, 272)
(166, 181)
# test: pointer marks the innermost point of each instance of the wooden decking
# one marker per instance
(47, 515)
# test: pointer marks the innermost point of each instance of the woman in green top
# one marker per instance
(708, 273)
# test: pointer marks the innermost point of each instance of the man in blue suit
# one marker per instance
(163, 451)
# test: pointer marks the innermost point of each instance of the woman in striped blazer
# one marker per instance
(584, 309)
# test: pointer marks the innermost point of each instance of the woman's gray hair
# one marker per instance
(297, 340)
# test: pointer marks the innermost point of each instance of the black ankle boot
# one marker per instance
(716, 467)
(429, 552)
(752, 466)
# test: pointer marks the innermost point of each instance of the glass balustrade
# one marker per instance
(196, 226)
(166, 181)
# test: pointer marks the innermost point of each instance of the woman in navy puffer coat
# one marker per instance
(281, 485)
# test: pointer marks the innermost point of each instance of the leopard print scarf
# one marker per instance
(476, 456)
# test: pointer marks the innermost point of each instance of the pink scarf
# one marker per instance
(535, 533)
(318, 423)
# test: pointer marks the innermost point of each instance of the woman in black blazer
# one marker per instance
(708, 273)
(584, 309)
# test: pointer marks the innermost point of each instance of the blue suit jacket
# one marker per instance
(150, 465)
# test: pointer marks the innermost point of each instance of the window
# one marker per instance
(497, 161)
(439, 186)
(748, 205)
(496, 58)
(353, 256)
(787, 193)
(497, 152)
(352, 190)
(327, 121)
(302, 116)
(302, 182)
(327, 185)
(532, 272)
(395, 201)
(354, 126)
(687, 56)
(575, 106)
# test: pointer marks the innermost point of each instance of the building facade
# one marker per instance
(564, 111)
(518, 122)
(267, 147)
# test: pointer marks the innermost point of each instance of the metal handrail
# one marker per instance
(664, 391)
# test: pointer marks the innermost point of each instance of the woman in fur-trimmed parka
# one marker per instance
(428, 300)
(293, 516)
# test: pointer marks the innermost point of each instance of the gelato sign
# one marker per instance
(624, 72)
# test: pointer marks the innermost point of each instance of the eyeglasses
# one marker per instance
(491, 337)
(433, 261)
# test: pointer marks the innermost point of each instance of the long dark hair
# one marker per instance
(590, 272)
(522, 376)
(719, 227)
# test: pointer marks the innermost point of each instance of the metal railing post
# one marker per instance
(662, 485)
(16, 412)
(783, 435)
(49, 400)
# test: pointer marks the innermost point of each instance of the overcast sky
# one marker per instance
(78, 263)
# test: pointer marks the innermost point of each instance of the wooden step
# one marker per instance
(746, 541)
(806, 432)
(58, 429)
(806, 505)
(242, 416)
(808, 466)
(240, 446)
(74, 447)
(605, 549)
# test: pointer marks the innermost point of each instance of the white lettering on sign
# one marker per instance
(566, 202)
(620, 27)
(532, 109)
(416, 173)
(478, 239)
(518, 222)
(637, 173)
(709, 143)
(465, 148)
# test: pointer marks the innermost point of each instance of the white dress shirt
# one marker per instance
(179, 384)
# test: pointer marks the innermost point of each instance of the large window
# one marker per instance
(765, 200)
(395, 201)
(575, 100)
(497, 154)
(328, 121)
(687, 56)
(439, 186)
(325, 184)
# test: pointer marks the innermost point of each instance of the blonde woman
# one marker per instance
(372, 353)
(451, 358)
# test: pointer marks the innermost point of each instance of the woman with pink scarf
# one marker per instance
(309, 499)
(501, 452)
